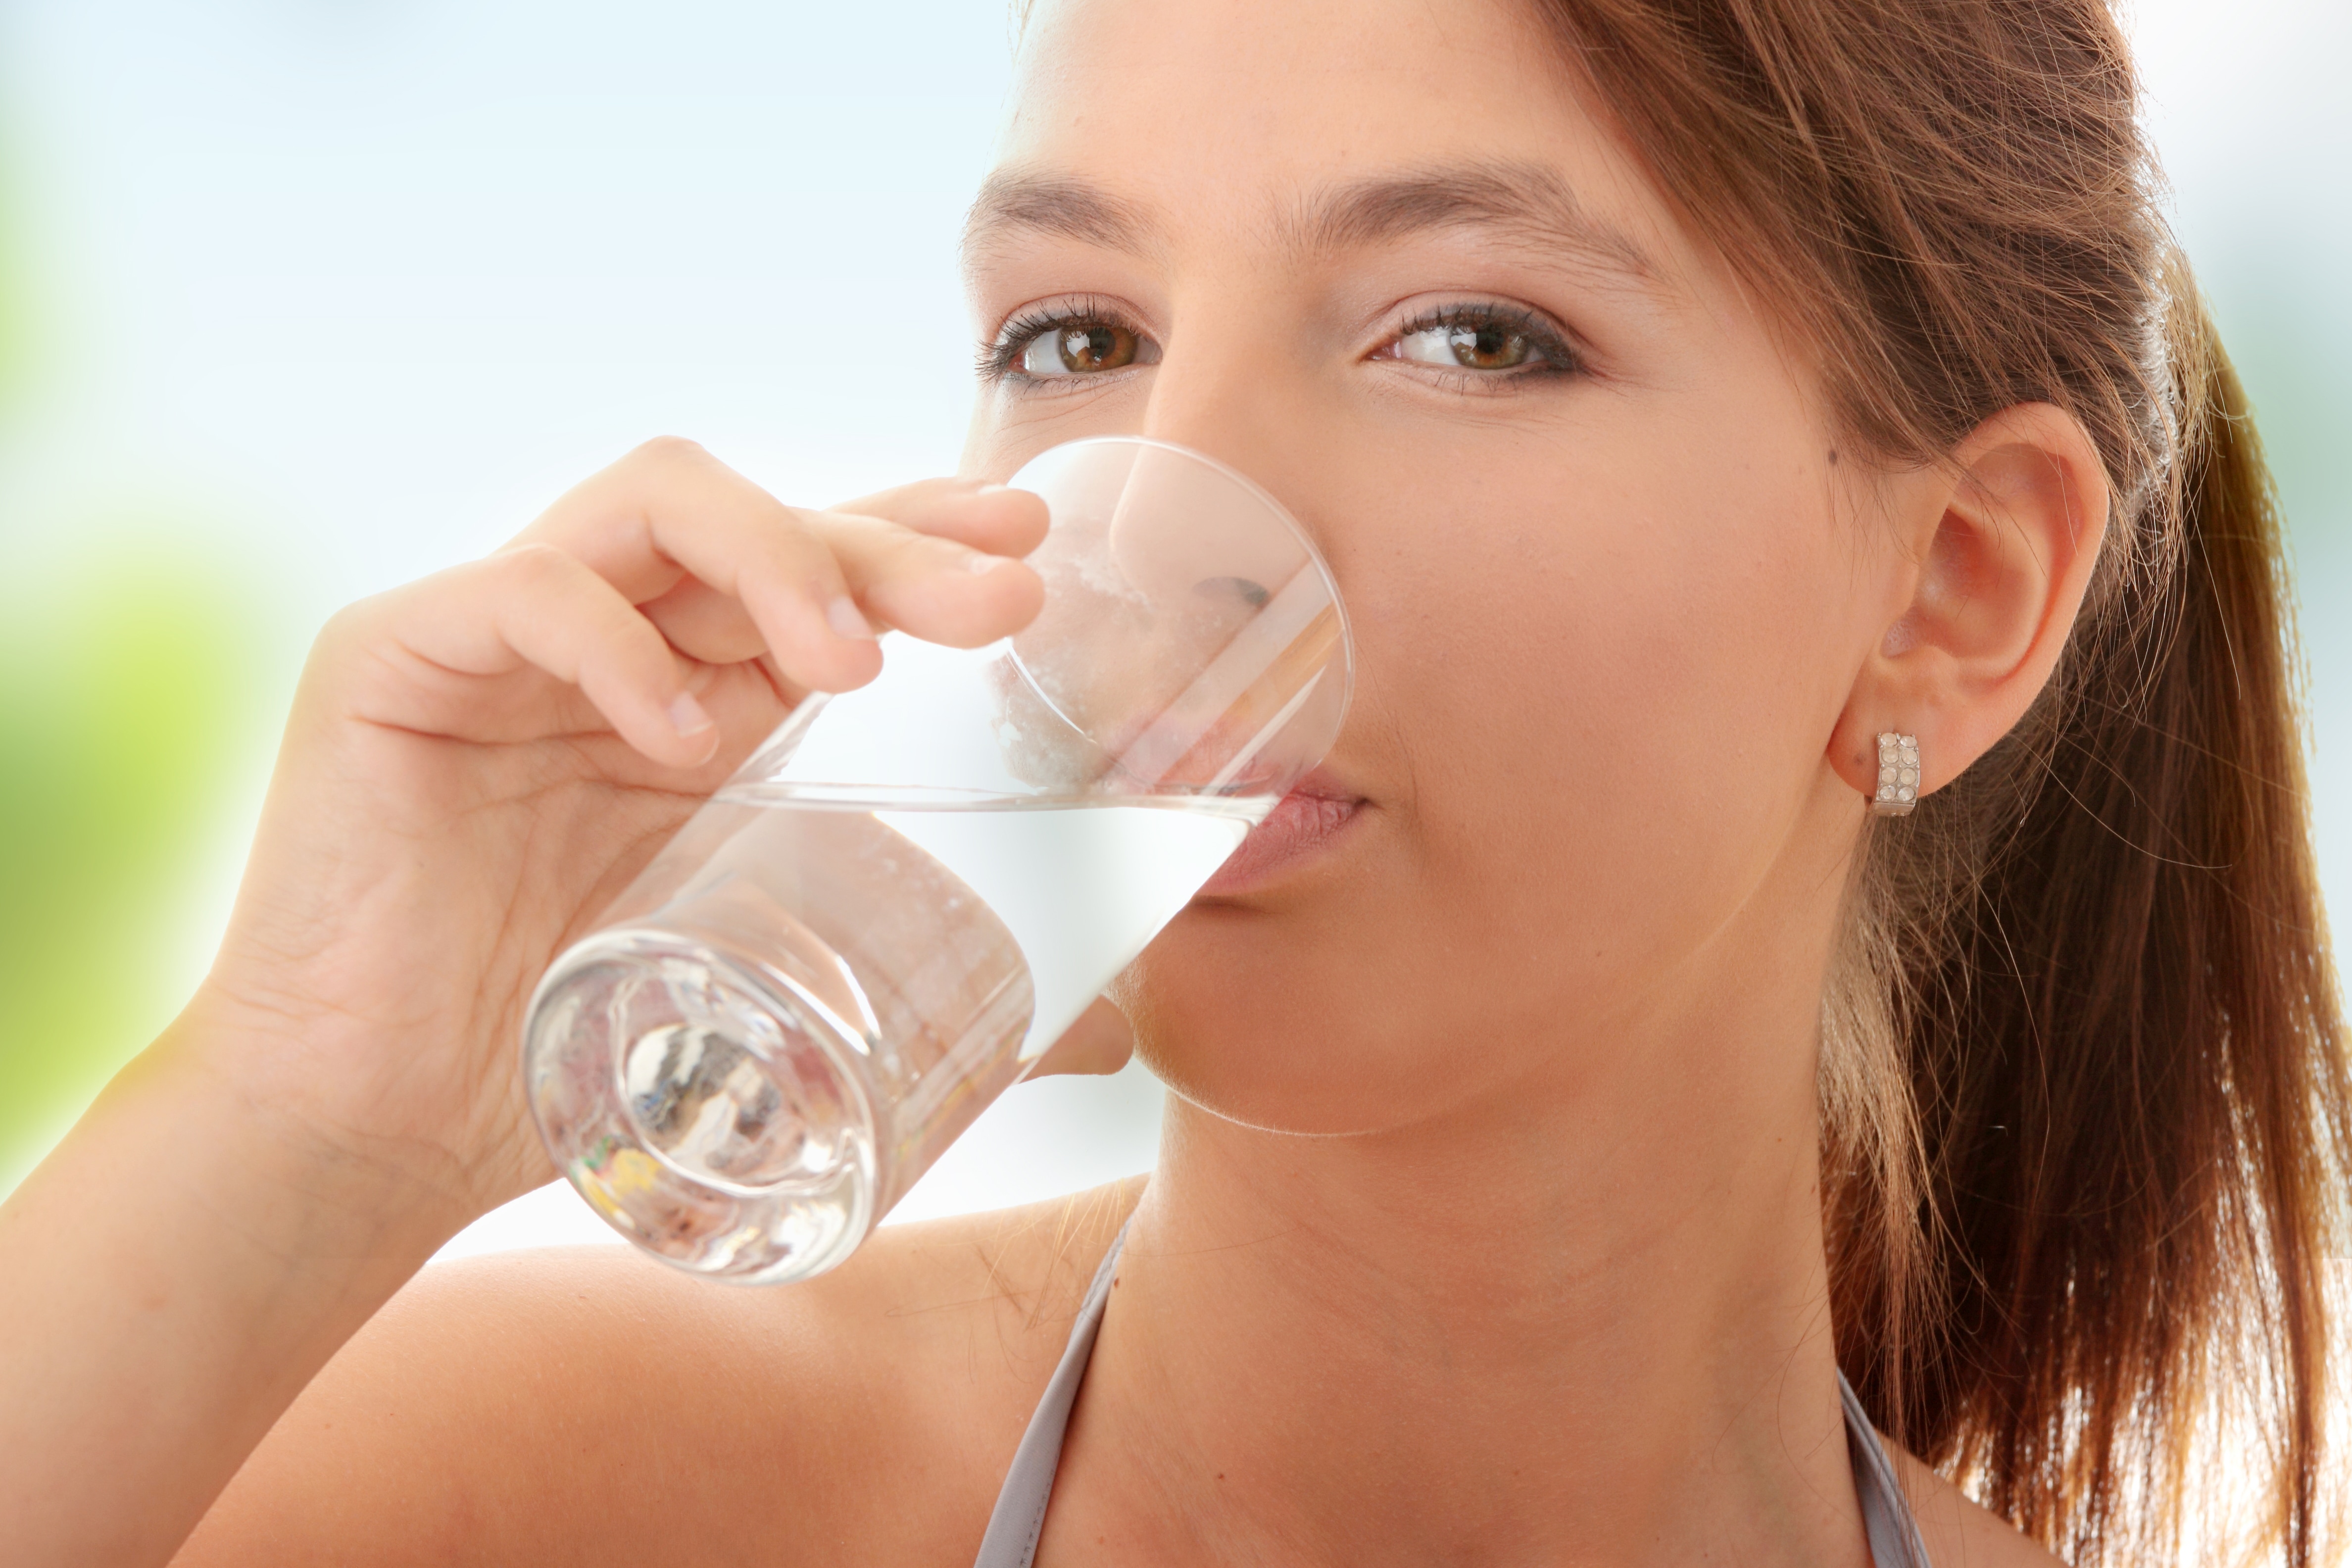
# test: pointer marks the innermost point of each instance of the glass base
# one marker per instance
(709, 1108)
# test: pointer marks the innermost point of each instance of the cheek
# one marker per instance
(1595, 686)
(1624, 696)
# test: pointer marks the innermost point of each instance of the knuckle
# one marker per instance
(348, 627)
(537, 563)
(669, 452)
(794, 532)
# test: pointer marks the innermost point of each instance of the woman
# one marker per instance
(1568, 1082)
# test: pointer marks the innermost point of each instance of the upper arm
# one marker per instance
(536, 1407)
(590, 1404)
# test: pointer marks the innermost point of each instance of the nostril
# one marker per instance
(1254, 595)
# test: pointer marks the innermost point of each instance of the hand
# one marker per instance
(478, 761)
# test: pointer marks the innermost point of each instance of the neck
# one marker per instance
(1586, 1321)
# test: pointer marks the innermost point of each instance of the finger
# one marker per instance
(897, 578)
(535, 606)
(919, 582)
(668, 512)
(815, 583)
(704, 623)
(986, 517)
(1099, 1042)
(934, 588)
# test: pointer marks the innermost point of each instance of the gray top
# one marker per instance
(1013, 1529)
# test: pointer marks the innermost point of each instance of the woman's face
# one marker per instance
(1606, 576)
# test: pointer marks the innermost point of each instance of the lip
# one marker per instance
(1302, 824)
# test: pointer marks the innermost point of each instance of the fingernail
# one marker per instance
(843, 617)
(991, 488)
(688, 716)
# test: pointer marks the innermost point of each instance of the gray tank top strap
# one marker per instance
(1013, 1529)
(1020, 1516)
(1886, 1514)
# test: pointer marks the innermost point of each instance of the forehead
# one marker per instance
(1270, 114)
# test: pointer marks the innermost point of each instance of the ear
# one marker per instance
(1994, 549)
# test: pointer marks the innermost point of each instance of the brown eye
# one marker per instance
(1079, 348)
(1496, 342)
(1488, 346)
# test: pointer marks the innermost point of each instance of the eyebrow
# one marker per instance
(1011, 201)
(1523, 205)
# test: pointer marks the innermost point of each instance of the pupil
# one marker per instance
(1090, 348)
(1489, 347)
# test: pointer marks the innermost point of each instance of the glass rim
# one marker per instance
(1297, 529)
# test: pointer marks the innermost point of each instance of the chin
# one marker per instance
(1280, 1022)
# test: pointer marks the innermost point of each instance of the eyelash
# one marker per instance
(1000, 360)
(1558, 358)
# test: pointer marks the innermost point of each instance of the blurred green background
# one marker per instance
(121, 716)
(301, 299)
(127, 655)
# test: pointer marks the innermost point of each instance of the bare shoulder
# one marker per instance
(551, 1405)
(1960, 1533)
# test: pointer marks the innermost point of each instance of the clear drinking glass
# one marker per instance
(878, 924)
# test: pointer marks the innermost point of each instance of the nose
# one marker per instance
(1239, 387)
(1188, 631)
(1199, 535)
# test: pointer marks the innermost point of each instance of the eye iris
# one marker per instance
(1488, 346)
(1095, 348)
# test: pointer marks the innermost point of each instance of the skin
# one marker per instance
(1486, 1227)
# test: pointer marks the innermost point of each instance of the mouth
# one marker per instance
(1301, 826)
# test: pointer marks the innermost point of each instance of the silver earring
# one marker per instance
(1898, 775)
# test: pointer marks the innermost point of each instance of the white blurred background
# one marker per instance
(302, 299)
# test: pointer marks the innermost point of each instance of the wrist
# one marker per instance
(300, 1171)
(172, 1276)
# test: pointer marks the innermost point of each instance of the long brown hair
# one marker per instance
(2087, 1107)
